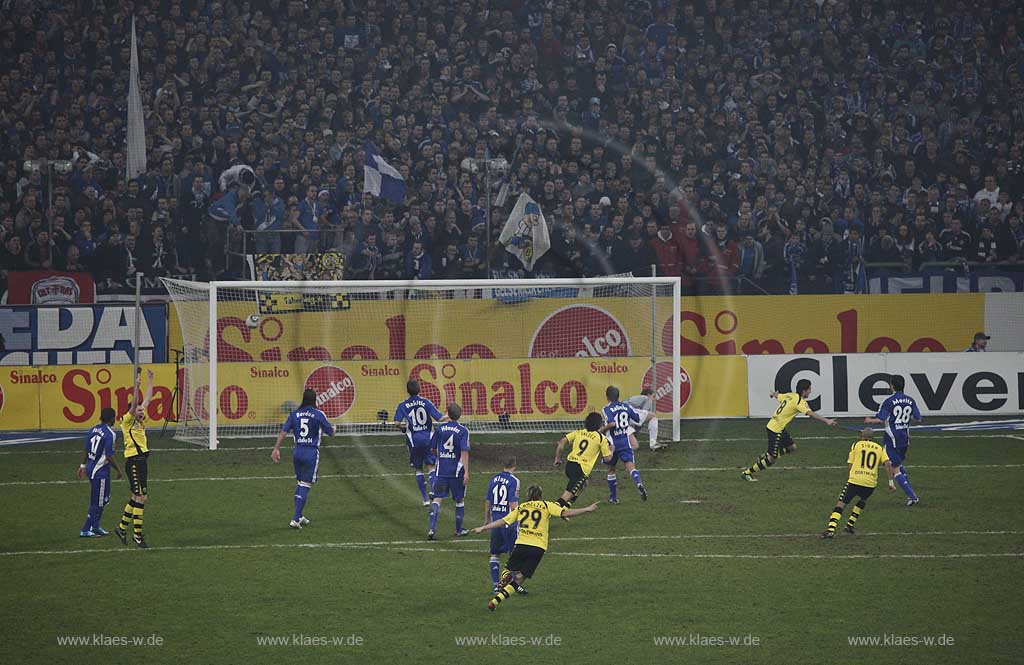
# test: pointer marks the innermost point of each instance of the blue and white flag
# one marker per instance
(136, 152)
(525, 235)
(380, 178)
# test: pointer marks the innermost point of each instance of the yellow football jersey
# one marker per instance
(865, 457)
(790, 404)
(134, 436)
(534, 518)
(587, 446)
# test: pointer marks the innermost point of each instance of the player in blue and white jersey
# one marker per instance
(895, 415)
(450, 446)
(307, 425)
(415, 416)
(502, 498)
(621, 419)
(97, 461)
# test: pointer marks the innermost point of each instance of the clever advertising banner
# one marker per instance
(82, 335)
(46, 287)
(947, 384)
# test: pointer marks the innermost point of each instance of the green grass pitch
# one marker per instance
(707, 560)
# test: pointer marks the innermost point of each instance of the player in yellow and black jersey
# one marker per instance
(864, 458)
(586, 445)
(779, 440)
(534, 517)
(136, 462)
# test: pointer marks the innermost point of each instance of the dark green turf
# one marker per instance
(225, 571)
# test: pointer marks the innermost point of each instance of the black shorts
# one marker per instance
(577, 480)
(524, 559)
(777, 441)
(852, 491)
(137, 470)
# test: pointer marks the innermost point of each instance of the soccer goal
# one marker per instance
(516, 355)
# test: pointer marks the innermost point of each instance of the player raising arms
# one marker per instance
(779, 440)
(97, 461)
(585, 446)
(450, 446)
(307, 424)
(136, 463)
(621, 417)
(863, 460)
(502, 498)
(533, 516)
(415, 416)
(643, 404)
(895, 414)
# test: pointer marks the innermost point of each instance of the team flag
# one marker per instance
(380, 178)
(526, 232)
(136, 125)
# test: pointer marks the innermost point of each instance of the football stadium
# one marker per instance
(543, 331)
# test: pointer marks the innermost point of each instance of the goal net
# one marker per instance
(533, 355)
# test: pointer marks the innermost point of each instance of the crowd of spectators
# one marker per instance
(782, 142)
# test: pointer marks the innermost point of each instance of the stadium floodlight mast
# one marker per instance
(537, 326)
(500, 166)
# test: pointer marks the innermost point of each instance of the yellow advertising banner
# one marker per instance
(609, 327)
(68, 397)
(71, 397)
(527, 390)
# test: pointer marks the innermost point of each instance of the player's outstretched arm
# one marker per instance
(558, 450)
(831, 422)
(871, 420)
(572, 512)
(490, 525)
(890, 469)
(149, 388)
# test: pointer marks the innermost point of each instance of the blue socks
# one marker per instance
(422, 482)
(635, 475)
(435, 510)
(460, 512)
(301, 494)
(904, 483)
(495, 569)
(613, 487)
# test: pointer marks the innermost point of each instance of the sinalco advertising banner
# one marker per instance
(602, 327)
(68, 398)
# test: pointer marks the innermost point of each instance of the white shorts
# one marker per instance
(643, 418)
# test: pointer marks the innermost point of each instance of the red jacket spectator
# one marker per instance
(667, 250)
(689, 254)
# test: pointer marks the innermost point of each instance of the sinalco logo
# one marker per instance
(335, 390)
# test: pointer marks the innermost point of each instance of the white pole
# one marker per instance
(135, 337)
(654, 330)
(212, 393)
(677, 305)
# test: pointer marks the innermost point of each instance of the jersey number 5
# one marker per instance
(303, 427)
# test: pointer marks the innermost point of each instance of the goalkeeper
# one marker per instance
(644, 406)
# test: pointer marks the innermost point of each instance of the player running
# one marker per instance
(585, 446)
(307, 424)
(863, 460)
(895, 414)
(534, 517)
(450, 446)
(136, 463)
(415, 416)
(779, 440)
(621, 417)
(502, 498)
(97, 461)
(643, 404)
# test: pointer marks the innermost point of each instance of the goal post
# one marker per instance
(517, 355)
